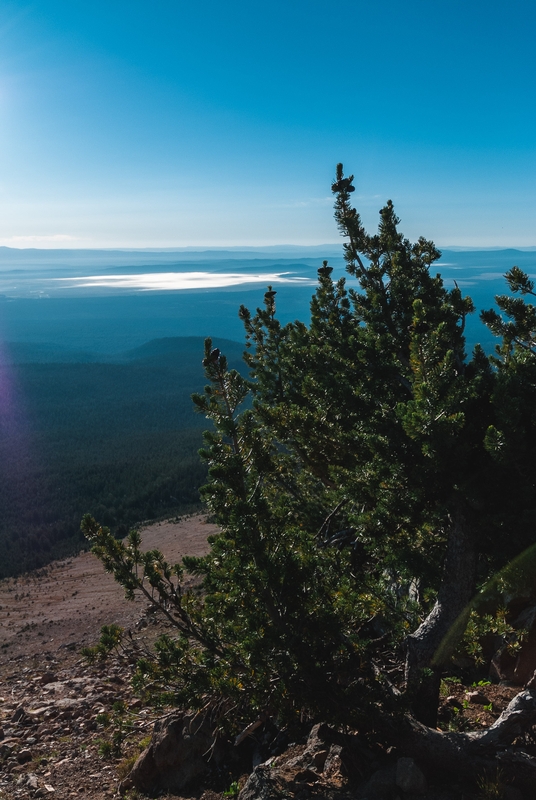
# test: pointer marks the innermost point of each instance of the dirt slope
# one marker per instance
(51, 701)
(66, 603)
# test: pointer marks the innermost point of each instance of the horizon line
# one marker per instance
(245, 248)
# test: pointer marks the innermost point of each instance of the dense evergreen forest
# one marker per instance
(117, 439)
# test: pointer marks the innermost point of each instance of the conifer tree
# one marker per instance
(356, 478)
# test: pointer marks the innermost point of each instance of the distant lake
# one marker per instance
(110, 301)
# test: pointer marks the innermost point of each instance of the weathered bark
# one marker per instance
(423, 659)
(468, 754)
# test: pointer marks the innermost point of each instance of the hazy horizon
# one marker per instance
(102, 301)
(55, 246)
(272, 248)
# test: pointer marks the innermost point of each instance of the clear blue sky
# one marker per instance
(136, 123)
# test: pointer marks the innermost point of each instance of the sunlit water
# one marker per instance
(108, 301)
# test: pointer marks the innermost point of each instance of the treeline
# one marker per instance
(119, 440)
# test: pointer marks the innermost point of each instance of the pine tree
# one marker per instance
(358, 478)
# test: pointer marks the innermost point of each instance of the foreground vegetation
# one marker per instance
(379, 480)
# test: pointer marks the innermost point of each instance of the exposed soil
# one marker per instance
(472, 708)
(52, 703)
(63, 606)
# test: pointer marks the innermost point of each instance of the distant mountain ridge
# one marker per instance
(180, 346)
(466, 249)
(15, 258)
(31, 257)
(187, 348)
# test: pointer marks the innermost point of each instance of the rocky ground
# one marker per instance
(54, 707)
(52, 743)
(57, 711)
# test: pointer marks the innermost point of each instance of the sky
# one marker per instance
(174, 123)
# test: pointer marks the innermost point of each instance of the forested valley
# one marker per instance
(117, 437)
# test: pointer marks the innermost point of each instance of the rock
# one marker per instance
(333, 767)
(23, 756)
(329, 750)
(452, 700)
(316, 743)
(32, 781)
(478, 698)
(263, 785)
(54, 686)
(178, 754)
(126, 785)
(18, 714)
(319, 759)
(382, 784)
(409, 777)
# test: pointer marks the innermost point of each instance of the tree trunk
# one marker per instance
(467, 755)
(434, 641)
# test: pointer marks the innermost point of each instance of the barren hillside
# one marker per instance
(50, 699)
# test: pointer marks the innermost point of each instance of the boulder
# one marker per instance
(381, 785)
(315, 754)
(409, 777)
(263, 784)
(331, 752)
(178, 754)
(328, 758)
